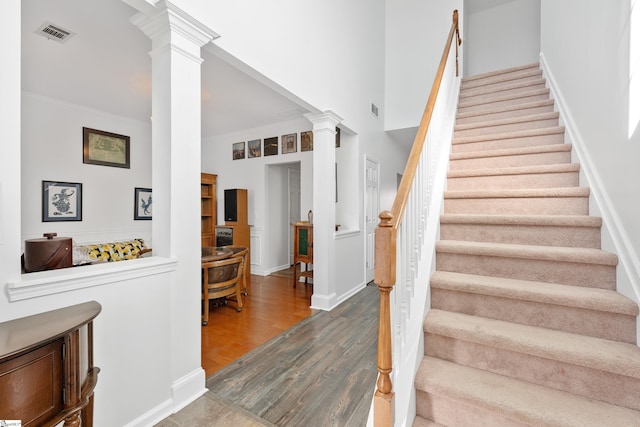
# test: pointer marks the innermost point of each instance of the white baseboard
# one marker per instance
(184, 391)
(188, 388)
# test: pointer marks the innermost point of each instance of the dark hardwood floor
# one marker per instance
(271, 307)
(300, 368)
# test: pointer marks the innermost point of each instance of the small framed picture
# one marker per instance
(105, 148)
(306, 141)
(289, 143)
(61, 201)
(271, 146)
(337, 137)
(238, 150)
(143, 207)
(255, 148)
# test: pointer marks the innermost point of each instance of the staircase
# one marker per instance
(526, 327)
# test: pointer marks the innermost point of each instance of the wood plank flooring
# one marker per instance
(271, 307)
(320, 372)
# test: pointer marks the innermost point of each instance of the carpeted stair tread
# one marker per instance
(470, 115)
(511, 72)
(497, 100)
(511, 152)
(520, 401)
(532, 252)
(519, 193)
(589, 352)
(510, 120)
(554, 220)
(494, 90)
(546, 131)
(515, 170)
(542, 292)
(487, 79)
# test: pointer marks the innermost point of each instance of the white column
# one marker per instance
(324, 208)
(176, 139)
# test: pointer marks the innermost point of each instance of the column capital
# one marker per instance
(169, 27)
(327, 120)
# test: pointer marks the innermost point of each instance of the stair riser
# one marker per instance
(487, 105)
(453, 412)
(462, 146)
(539, 235)
(593, 323)
(519, 206)
(509, 114)
(523, 82)
(488, 96)
(522, 181)
(550, 271)
(535, 159)
(557, 374)
(507, 127)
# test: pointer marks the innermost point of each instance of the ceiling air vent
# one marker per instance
(54, 32)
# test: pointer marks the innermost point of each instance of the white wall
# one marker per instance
(416, 32)
(500, 34)
(586, 46)
(52, 151)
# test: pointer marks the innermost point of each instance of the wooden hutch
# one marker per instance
(209, 208)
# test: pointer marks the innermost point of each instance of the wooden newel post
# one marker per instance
(384, 277)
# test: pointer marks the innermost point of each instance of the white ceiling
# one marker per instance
(106, 66)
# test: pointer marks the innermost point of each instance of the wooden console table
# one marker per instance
(46, 367)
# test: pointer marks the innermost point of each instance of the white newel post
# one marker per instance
(324, 208)
(176, 146)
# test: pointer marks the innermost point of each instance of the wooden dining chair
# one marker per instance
(241, 251)
(221, 279)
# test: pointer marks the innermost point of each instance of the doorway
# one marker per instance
(371, 209)
(294, 206)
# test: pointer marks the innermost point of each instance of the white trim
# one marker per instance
(188, 388)
(51, 282)
(324, 302)
(613, 226)
(184, 391)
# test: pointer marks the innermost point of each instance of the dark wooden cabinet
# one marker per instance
(46, 367)
(302, 251)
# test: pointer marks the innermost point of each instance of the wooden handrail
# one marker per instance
(385, 244)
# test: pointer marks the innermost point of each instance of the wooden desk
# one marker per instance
(46, 367)
(215, 253)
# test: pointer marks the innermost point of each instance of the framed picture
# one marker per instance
(337, 137)
(238, 150)
(306, 141)
(255, 148)
(271, 146)
(289, 143)
(61, 201)
(105, 148)
(143, 207)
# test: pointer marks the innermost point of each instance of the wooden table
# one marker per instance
(215, 253)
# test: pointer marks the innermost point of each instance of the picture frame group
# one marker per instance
(269, 146)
